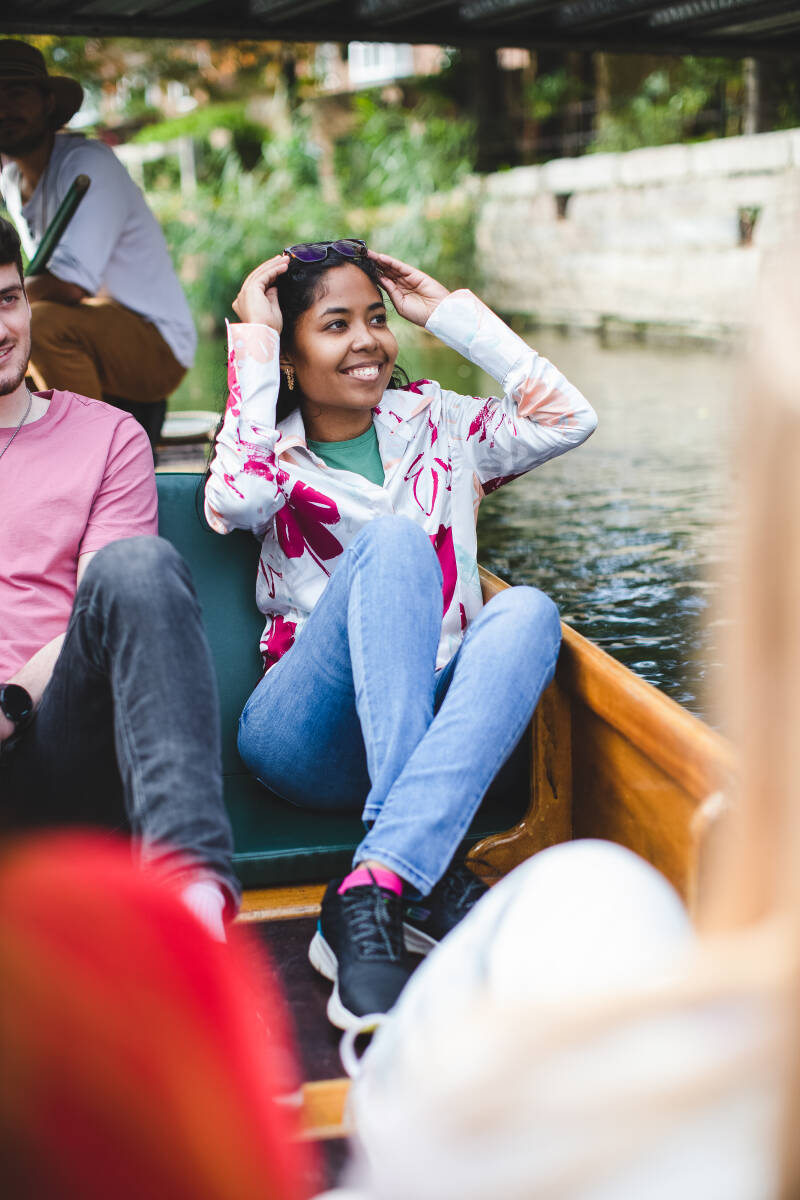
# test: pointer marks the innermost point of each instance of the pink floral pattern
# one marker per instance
(262, 462)
(488, 420)
(424, 479)
(302, 525)
(491, 485)
(441, 454)
(270, 576)
(234, 390)
(443, 545)
(277, 641)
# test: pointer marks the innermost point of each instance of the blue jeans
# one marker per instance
(127, 732)
(356, 716)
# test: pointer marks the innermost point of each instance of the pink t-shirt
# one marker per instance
(73, 481)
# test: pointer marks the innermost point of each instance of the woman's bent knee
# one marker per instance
(531, 613)
(394, 532)
(399, 541)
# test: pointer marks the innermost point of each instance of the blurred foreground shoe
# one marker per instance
(427, 921)
(359, 946)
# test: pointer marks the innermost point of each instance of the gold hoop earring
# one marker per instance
(288, 371)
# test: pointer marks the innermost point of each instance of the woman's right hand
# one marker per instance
(257, 302)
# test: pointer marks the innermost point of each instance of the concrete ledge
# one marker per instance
(519, 181)
(763, 153)
(743, 155)
(593, 172)
(655, 164)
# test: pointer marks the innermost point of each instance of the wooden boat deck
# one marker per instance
(324, 1093)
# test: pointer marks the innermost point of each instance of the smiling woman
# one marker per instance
(388, 687)
(343, 353)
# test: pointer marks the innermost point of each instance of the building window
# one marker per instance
(378, 62)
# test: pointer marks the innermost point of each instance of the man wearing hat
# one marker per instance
(109, 317)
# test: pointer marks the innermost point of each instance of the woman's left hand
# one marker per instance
(413, 293)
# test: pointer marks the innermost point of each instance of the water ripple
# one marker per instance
(631, 533)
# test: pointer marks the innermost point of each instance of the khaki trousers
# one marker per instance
(100, 349)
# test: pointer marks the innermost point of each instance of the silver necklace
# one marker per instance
(22, 422)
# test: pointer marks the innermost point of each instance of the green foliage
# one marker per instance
(393, 156)
(550, 93)
(295, 157)
(241, 137)
(201, 122)
(668, 105)
(227, 231)
(230, 229)
(437, 238)
(238, 217)
(258, 192)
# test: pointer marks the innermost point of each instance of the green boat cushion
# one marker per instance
(276, 842)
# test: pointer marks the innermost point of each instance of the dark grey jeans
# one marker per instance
(127, 732)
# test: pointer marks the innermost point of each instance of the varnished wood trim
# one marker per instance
(281, 903)
(621, 795)
(706, 830)
(490, 584)
(548, 819)
(681, 745)
(324, 1105)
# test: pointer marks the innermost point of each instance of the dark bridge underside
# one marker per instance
(735, 27)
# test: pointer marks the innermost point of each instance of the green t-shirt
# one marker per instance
(358, 454)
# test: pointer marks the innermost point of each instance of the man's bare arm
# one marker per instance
(48, 287)
(34, 676)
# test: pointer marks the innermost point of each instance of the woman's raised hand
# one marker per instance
(413, 293)
(257, 301)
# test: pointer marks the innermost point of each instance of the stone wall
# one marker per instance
(651, 239)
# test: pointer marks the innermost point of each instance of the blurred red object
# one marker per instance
(139, 1057)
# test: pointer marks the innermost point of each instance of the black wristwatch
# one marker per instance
(16, 704)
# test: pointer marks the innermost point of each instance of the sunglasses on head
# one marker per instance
(309, 252)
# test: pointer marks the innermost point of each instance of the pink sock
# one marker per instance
(362, 876)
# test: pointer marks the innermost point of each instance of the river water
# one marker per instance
(630, 534)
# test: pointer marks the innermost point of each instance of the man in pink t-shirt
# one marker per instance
(108, 708)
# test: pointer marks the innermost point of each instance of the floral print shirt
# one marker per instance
(441, 452)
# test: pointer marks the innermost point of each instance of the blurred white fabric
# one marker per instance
(534, 1054)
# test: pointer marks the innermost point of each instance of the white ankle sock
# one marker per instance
(205, 899)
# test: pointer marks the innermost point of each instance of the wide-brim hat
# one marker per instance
(22, 63)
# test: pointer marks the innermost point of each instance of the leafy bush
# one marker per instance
(550, 93)
(200, 122)
(240, 217)
(436, 234)
(229, 230)
(242, 137)
(668, 106)
(393, 156)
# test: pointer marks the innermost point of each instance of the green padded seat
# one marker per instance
(275, 842)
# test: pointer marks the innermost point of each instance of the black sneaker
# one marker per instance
(359, 945)
(425, 922)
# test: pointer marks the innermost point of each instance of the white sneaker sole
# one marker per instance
(324, 960)
(417, 942)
